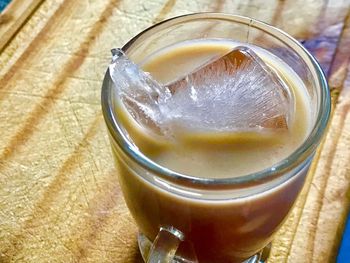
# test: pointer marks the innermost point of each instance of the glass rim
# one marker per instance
(295, 158)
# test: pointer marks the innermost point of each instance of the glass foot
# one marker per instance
(145, 246)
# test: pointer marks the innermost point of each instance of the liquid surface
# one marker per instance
(219, 155)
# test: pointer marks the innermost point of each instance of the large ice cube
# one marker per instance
(237, 92)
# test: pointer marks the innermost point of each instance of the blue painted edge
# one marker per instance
(3, 4)
(344, 250)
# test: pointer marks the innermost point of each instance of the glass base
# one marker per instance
(145, 246)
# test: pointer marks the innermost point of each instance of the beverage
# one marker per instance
(213, 154)
(220, 230)
(220, 192)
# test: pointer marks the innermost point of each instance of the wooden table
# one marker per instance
(59, 196)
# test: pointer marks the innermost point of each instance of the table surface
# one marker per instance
(59, 196)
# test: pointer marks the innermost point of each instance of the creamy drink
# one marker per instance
(220, 154)
(213, 120)
(225, 228)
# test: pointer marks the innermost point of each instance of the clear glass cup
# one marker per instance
(182, 218)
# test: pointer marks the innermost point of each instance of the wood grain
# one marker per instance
(59, 196)
(13, 17)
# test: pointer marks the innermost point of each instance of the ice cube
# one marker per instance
(137, 90)
(237, 92)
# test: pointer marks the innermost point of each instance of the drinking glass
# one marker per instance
(182, 218)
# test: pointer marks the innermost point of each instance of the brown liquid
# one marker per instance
(225, 230)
